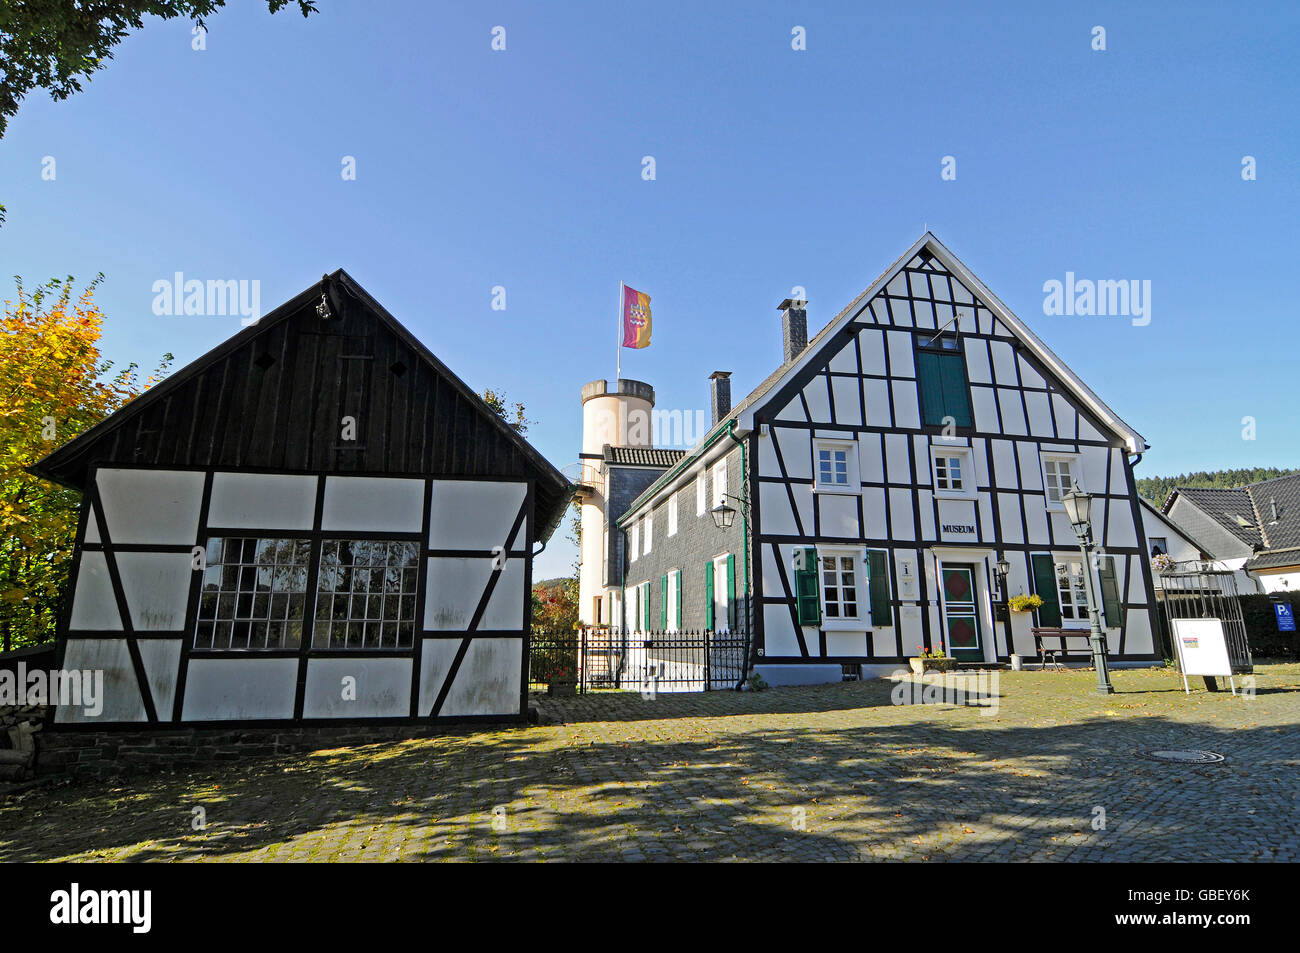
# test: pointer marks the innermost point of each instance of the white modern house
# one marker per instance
(876, 479)
(316, 521)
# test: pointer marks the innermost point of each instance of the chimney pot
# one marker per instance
(794, 328)
(720, 394)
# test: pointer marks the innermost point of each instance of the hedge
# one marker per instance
(1261, 626)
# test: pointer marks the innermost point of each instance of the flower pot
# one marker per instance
(922, 665)
(562, 687)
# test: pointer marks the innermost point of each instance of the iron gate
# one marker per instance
(600, 657)
(1199, 593)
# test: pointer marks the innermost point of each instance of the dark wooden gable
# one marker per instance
(274, 397)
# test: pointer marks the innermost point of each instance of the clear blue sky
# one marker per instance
(775, 168)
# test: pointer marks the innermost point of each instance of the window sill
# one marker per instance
(955, 495)
(839, 490)
(844, 625)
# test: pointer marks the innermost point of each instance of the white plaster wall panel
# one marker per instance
(157, 589)
(987, 527)
(925, 507)
(1005, 474)
(819, 401)
(261, 500)
(957, 515)
(803, 501)
(436, 656)
(969, 320)
(779, 637)
(1036, 523)
(475, 514)
(1013, 412)
(1031, 472)
(839, 515)
(1040, 415)
(1137, 589)
(1095, 462)
(118, 699)
(846, 643)
(776, 515)
(1066, 417)
(845, 360)
(985, 408)
(876, 394)
(1009, 517)
(978, 369)
(1004, 363)
(960, 293)
(382, 688)
(981, 454)
(848, 401)
(900, 514)
(92, 528)
(505, 610)
(939, 288)
(239, 689)
(767, 465)
(1028, 376)
(921, 459)
(924, 312)
(161, 659)
(373, 504)
(871, 458)
(872, 345)
(455, 586)
(1120, 530)
(897, 458)
(1062, 531)
(1137, 634)
(1118, 476)
(1001, 330)
(1087, 431)
(793, 411)
(796, 452)
(873, 513)
(771, 555)
(901, 363)
(487, 682)
(151, 506)
(897, 286)
(93, 605)
(907, 411)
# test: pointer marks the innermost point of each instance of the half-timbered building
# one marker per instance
(879, 475)
(315, 521)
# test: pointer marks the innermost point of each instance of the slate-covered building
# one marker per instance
(315, 521)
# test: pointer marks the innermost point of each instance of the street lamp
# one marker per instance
(1078, 510)
(1003, 569)
(723, 515)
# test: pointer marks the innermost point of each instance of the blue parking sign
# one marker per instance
(1285, 616)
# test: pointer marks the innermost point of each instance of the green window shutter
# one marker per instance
(882, 613)
(807, 594)
(708, 594)
(677, 603)
(1110, 600)
(956, 395)
(663, 602)
(731, 590)
(1049, 613)
(929, 381)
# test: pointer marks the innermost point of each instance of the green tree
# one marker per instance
(55, 44)
(1158, 489)
(512, 412)
(53, 385)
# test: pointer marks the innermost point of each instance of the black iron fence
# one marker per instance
(600, 657)
(1195, 593)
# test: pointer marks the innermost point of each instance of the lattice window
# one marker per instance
(947, 473)
(253, 594)
(839, 587)
(366, 594)
(1059, 475)
(1071, 590)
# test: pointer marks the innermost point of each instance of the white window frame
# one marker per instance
(701, 493)
(672, 595)
(969, 485)
(647, 540)
(634, 538)
(852, 472)
(857, 559)
(721, 604)
(1078, 601)
(1076, 476)
(720, 482)
(672, 513)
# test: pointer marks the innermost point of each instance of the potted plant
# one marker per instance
(1161, 563)
(931, 660)
(562, 682)
(1023, 603)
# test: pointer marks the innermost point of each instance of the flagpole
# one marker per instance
(620, 335)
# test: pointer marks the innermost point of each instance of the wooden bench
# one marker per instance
(1042, 635)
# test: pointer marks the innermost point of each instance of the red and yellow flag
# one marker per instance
(636, 318)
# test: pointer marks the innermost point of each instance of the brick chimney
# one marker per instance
(794, 328)
(720, 394)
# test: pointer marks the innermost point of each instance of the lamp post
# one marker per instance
(1078, 509)
(723, 514)
(1002, 569)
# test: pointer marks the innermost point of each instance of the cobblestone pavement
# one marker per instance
(821, 773)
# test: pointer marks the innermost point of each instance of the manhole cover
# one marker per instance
(1184, 757)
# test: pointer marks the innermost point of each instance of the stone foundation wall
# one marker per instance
(19, 728)
(109, 753)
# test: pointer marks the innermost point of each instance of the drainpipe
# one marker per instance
(744, 524)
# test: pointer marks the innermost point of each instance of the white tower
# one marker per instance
(620, 418)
